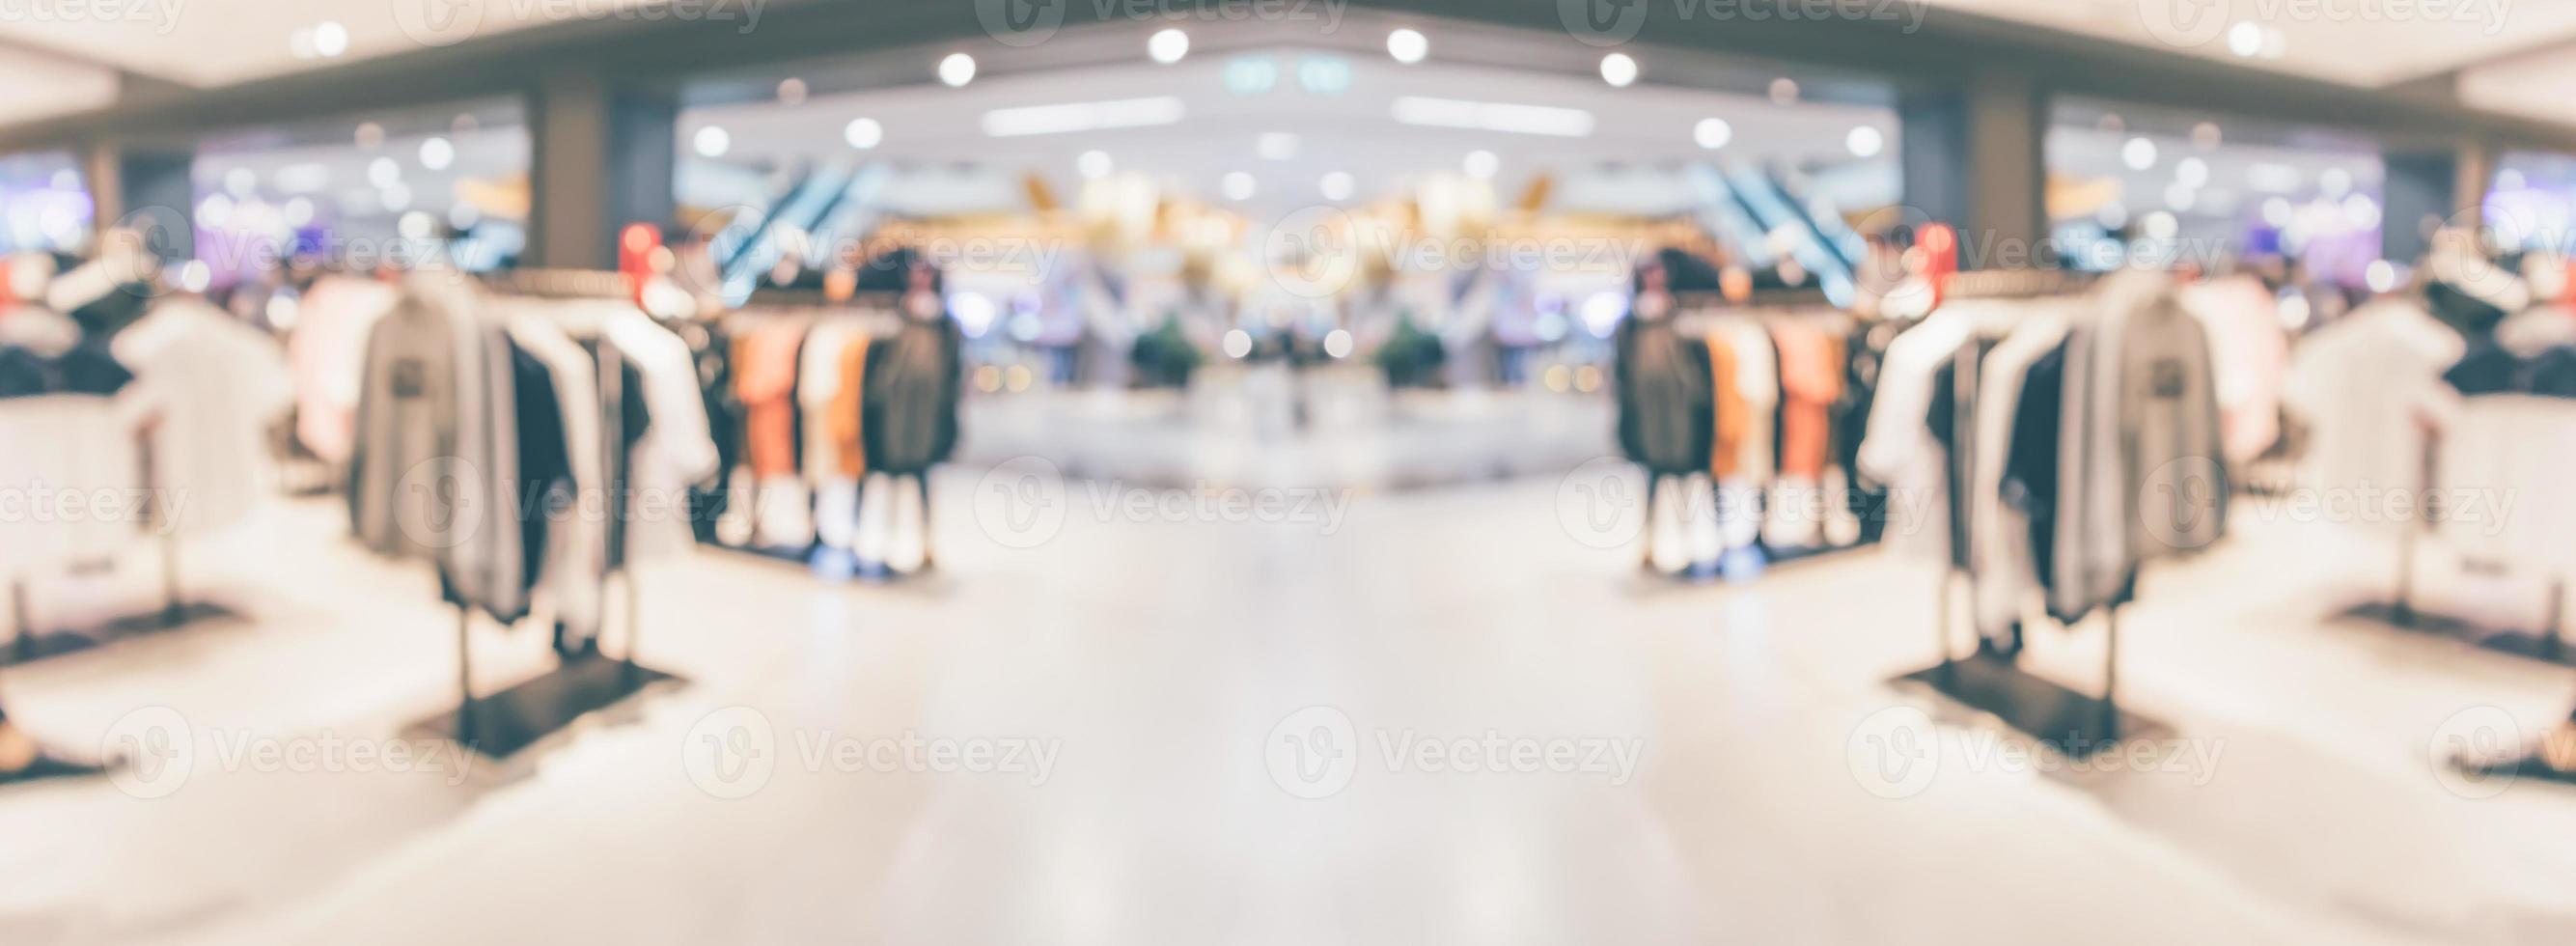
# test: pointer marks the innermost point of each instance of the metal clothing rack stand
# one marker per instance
(2072, 723)
(502, 724)
(27, 645)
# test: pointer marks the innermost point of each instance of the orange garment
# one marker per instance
(1727, 409)
(1811, 378)
(764, 372)
(845, 408)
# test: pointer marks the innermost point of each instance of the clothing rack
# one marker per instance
(2074, 724)
(504, 723)
(27, 645)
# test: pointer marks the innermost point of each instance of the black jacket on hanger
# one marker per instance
(1667, 397)
(908, 408)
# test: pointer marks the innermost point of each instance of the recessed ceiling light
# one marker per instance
(300, 43)
(1784, 91)
(397, 198)
(1864, 141)
(330, 39)
(1238, 185)
(371, 135)
(2205, 135)
(436, 154)
(1712, 133)
(241, 182)
(383, 172)
(1336, 185)
(791, 91)
(2191, 172)
(957, 70)
(2139, 154)
(1483, 164)
(712, 141)
(1093, 164)
(1408, 46)
(863, 133)
(2245, 39)
(1167, 46)
(1619, 70)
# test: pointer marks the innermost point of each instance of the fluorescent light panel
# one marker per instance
(1493, 116)
(1082, 116)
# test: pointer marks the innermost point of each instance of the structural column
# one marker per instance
(2428, 188)
(1972, 157)
(602, 158)
(147, 189)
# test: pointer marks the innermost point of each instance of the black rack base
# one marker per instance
(2529, 765)
(2546, 644)
(29, 647)
(508, 722)
(47, 769)
(2072, 724)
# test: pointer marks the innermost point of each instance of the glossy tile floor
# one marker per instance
(1102, 732)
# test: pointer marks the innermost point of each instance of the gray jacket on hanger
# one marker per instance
(2139, 453)
(434, 473)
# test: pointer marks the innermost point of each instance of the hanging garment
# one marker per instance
(2495, 450)
(1757, 379)
(72, 471)
(1665, 409)
(836, 496)
(1729, 424)
(326, 353)
(562, 470)
(2001, 556)
(2142, 465)
(1898, 452)
(765, 362)
(2369, 387)
(676, 452)
(434, 469)
(2533, 352)
(1811, 381)
(2031, 460)
(2250, 352)
(1858, 504)
(711, 354)
(909, 415)
(216, 386)
(1956, 435)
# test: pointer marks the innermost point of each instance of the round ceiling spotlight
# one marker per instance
(2139, 154)
(863, 133)
(712, 141)
(1337, 185)
(1238, 185)
(791, 91)
(1712, 133)
(1408, 46)
(1167, 46)
(1865, 141)
(1618, 69)
(1094, 164)
(1483, 164)
(957, 70)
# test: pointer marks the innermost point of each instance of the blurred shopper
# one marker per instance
(1666, 392)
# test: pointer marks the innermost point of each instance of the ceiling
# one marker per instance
(2355, 42)
(1354, 131)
